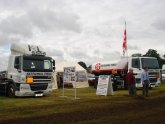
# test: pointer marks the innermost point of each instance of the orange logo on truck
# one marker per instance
(98, 66)
(114, 71)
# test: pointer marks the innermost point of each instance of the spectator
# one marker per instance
(145, 81)
(131, 82)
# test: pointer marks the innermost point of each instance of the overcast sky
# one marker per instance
(82, 30)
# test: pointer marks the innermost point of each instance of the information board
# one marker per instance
(104, 86)
(69, 75)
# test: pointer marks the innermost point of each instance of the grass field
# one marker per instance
(116, 109)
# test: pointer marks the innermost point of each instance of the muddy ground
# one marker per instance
(140, 111)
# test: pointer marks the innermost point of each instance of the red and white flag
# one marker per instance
(124, 42)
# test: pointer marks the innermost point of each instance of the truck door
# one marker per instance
(136, 68)
(17, 64)
(136, 63)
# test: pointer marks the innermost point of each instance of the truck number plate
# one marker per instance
(39, 94)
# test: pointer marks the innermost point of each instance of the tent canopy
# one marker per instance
(79, 70)
(60, 66)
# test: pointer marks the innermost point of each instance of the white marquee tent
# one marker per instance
(79, 70)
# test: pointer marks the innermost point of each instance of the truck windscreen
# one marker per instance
(39, 64)
(151, 63)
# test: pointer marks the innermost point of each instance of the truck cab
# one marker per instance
(138, 63)
(29, 72)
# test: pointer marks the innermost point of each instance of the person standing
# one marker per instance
(145, 81)
(131, 82)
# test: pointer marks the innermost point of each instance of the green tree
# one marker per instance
(152, 53)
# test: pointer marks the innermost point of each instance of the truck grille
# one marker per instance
(152, 73)
(153, 80)
(38, 86)
(41, 79)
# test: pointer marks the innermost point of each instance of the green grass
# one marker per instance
(14, 108)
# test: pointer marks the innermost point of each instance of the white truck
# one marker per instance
(119, 69)
(29, 72)
(163, 73)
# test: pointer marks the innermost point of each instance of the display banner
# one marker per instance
(104, 86)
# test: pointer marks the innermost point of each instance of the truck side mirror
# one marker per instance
(54, 65)
(17, 62)
(54, 69)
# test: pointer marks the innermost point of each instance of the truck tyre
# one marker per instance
(150, 88)
(125, 86)
(115, 88)
(11, 90)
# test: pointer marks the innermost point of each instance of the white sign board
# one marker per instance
(70, 77)
(69, 74)
(104, 86)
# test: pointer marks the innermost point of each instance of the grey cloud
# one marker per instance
(16, 26)
(15, 29)
(22, 27)
(54, 52)
(132, 47)
(8, 39)
(159, 24)
(3, 64)
(82, 55)
(96, 51)
(108, 56)
(49, 20)
(98, 24)
(11, 4)
(4, 39)
(79, 54)
(57, 55)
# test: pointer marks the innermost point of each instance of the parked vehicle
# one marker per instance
(91, 79)
(29, 72)
(163, 73)
(119, 69)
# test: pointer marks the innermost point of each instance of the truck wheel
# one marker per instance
(150, 88)
(11, 90)
(125, 86)
(115, 88)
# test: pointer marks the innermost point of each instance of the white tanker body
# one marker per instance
(118, 70)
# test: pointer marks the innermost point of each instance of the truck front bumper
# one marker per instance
(25, 90)
(32, 93)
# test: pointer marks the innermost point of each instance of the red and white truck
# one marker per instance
(119, 69)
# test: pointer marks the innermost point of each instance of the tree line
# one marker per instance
(154, 53)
